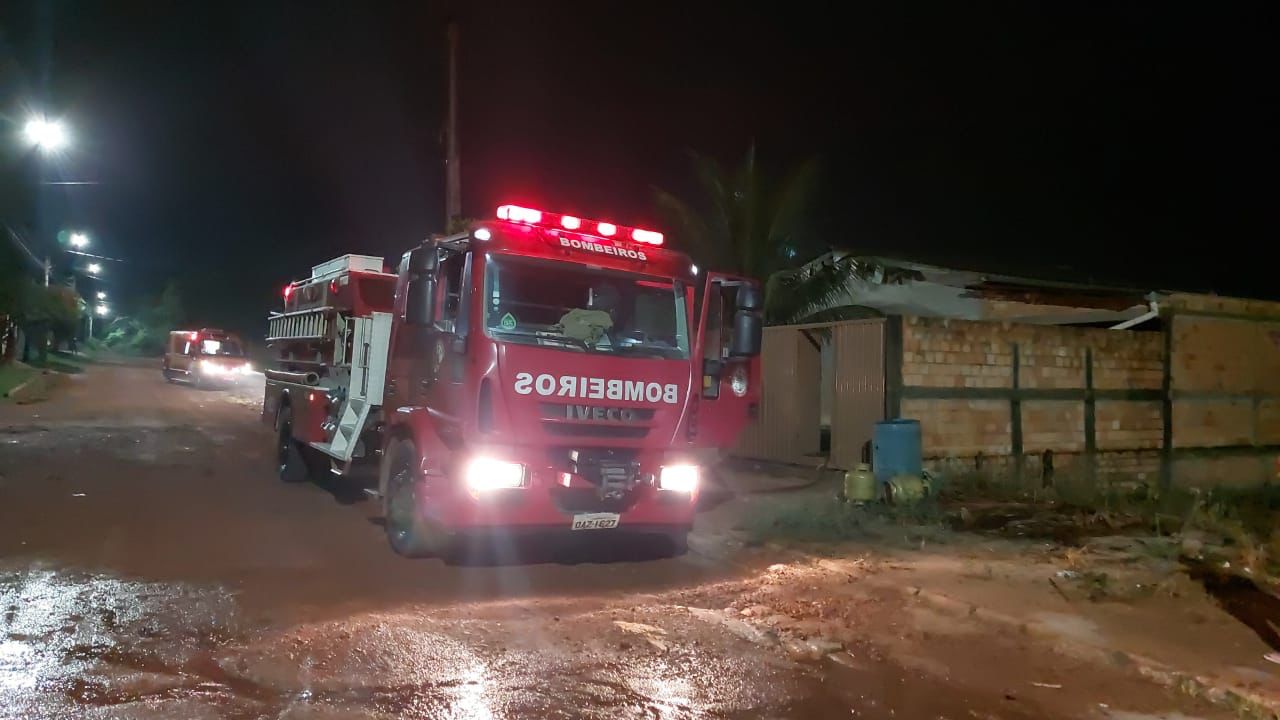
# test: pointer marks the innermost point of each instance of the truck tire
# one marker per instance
(408, 533)
(292, 465)
(679, 544)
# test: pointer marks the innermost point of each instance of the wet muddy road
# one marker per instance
(151, 566)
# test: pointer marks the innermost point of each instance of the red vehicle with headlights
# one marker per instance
(206, 357)
(538, 373)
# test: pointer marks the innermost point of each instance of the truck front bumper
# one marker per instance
(550, 502)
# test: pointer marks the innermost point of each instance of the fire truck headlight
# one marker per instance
(246, 369)
(679, 478)
(483, 474)
(738, 382)
(211, 368)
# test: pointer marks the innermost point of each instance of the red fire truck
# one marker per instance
(540, 372)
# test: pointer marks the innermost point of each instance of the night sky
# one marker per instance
(237, 144)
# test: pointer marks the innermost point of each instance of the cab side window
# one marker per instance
(451, 277)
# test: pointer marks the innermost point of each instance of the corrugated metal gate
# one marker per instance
(788, 428)
(859, 388)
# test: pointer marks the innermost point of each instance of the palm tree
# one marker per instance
(747, 225)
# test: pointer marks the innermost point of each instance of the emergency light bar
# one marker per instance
(529, 216)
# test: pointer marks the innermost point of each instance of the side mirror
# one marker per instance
(423, 260)
(750, 298)
(748, 333)
(420, 300)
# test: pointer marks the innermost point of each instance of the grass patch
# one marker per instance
(60, 362)
(12, 375)
(821, 518)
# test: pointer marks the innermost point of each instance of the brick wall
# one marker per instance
(985, 390)
(1056, 425)
(941, 356)
(964, 428)
(947, 353)
(1225, 376)
(1123, 425)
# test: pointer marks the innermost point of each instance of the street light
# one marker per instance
(102, 296)
(48, 135)
(78, 239)
(94, 268)
(102, 309)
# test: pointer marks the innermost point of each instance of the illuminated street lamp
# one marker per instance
(94, 268)
(102, 296)
(101, 311)
(78, 239)
(49, 136)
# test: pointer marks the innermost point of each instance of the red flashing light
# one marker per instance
(194, 335)
(528, 216)
(515, 213)
(288, 291)
(647, 237)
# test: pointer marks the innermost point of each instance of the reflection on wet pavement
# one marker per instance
(81, 639)
(98, 646)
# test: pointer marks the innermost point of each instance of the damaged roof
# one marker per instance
(898, 287)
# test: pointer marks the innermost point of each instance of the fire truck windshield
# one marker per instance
(219, 347)
(579, 308)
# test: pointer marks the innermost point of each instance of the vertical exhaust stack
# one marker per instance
(452, 166)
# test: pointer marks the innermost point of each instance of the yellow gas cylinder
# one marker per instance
(860, 484)
(907, 489)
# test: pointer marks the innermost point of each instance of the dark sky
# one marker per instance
(237, 144)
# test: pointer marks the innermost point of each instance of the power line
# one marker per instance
(17, 240)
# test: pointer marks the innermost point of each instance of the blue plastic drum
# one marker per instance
(895, 449)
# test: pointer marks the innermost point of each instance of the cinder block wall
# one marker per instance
(1199, 403)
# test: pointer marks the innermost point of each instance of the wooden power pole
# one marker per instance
(452, 166)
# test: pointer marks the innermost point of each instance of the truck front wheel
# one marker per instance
(408, 532)
(292, 466)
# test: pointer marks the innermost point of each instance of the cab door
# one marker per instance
(726, 360)
(184, 348)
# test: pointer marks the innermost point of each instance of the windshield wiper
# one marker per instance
(663, 351)
(561, 339)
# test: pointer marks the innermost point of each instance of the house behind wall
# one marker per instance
(1196, 401)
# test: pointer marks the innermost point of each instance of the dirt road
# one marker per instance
(152, 566)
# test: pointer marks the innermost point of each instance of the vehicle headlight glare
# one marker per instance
(679, 478)
(211, 368)
(484, 474)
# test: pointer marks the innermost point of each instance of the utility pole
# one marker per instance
(452, 167)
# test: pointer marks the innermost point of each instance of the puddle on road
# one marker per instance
(91, 645)
(78, 639)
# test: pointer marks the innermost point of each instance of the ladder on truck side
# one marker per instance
(370, 344)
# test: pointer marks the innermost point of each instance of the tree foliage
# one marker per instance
(743, 223)
(147, 331)
(746, 223)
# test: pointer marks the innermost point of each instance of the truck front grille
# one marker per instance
(597, 421)
(561, 429)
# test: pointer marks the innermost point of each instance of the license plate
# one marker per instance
(595, 521)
